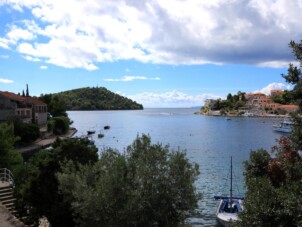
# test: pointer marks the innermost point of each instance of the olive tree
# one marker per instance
(146, 185)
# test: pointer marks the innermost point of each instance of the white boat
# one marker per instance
(284, 126)
(228, 207)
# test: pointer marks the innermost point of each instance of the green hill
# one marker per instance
(96, 99)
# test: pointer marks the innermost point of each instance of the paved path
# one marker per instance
(43, 143)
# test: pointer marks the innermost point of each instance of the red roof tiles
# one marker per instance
(20, 98)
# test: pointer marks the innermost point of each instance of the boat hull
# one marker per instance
(284, 127)
(226, 220)
(226, 214)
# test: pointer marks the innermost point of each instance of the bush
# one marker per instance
(50, 125)
(28, 132)
(61, 125)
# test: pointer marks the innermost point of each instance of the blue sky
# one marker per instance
(172, 53)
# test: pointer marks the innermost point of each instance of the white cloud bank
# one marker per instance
(86, 33)
(274, 86)
(180, 99)
(171, 99)
(6, 81)
(131, 78)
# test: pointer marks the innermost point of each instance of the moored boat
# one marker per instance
(90, 132)
(285, 126)
(228, 207)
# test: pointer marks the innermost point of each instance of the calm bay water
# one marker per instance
(208, 141)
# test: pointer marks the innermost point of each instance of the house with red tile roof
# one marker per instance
(26, 108)
(289, 108)
(260, 104)
(276, 92)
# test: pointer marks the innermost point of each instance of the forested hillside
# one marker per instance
(94, 99)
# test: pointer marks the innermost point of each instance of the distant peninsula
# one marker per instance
(95, 98)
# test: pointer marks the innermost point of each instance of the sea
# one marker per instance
(208, 141)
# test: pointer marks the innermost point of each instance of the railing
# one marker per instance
(6, 176)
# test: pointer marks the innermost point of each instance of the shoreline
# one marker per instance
(241, 116)
(43, 143)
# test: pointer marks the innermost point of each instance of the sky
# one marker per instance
(172, 53)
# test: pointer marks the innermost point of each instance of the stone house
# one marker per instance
(260, 102)
(26, 108)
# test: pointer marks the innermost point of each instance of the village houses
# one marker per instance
(259, 104)
(24, 107)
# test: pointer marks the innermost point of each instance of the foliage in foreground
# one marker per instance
(274, 182)
(37, 189)
(27, 132)
(8, 157)
(147, 185)
(274, 185)
(71, 186)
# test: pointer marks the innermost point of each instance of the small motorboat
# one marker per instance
(101, 135)
(229, 206)
(285, 126)
(90, 132)
(106, 127)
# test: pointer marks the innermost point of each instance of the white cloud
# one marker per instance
(274, 86)
(30, 58)
(154, 78)
(173, 31)
(131, 78)
(43, 67)
(6, 81)
(4, 43)
(15, 34)
(171, 99)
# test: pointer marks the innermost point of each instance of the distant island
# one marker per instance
(278, 103)
(95, 98)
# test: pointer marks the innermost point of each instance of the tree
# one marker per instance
(146, 185)
(274, 182)
(38, 194)
(9, 158)
(230, 97)
(46, 98)
(294, 76)
(57, 106)
(273, 187)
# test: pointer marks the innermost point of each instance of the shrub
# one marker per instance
(61, 125)
(28, 132)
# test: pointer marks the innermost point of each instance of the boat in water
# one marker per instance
(285, 126)
(90, 132)
(228, 207)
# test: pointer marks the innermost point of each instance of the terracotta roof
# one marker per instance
(277, 90)
(259, 93)
(35, 101)
(12, 96)
(16, 97)
(289, 106)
